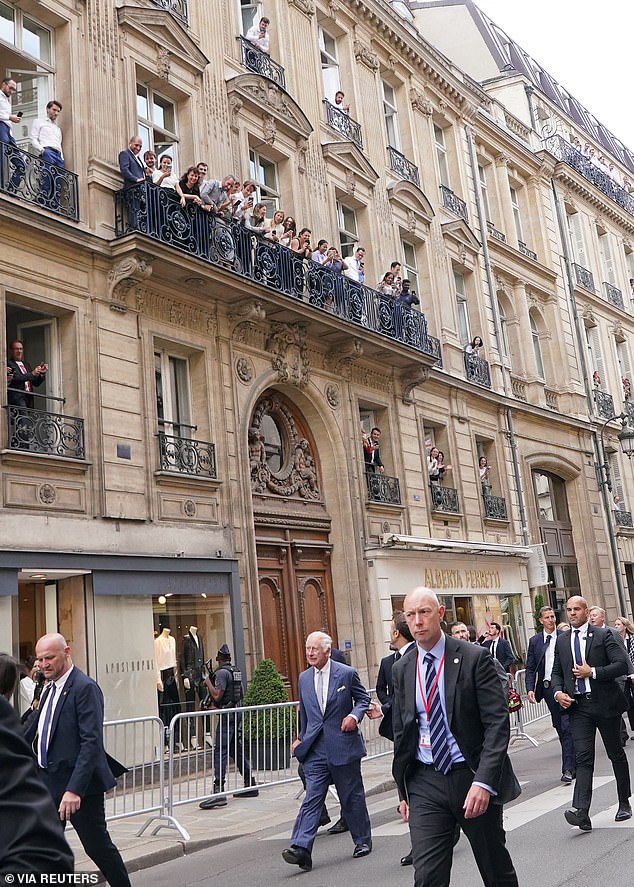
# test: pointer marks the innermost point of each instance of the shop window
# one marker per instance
(264, 173)
(156, 123)
(348, 231)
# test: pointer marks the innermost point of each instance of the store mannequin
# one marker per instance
(165, 663)
(192, 662)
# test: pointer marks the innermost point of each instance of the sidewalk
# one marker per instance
(275, 806)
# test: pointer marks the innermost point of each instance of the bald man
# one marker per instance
(451, 735)
(66, 734)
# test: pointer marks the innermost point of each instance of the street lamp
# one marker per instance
(625, 439)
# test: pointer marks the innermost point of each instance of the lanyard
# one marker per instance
(427, 702)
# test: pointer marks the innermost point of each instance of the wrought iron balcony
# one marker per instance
(453, 203)
(261, 63)
(494, 507)
(39, 182)
(444, 498)
(526, 251)
(343, 124)
(435, 349)
(187, 456)
(604, 403)
(614, 295)
(178, 8)
(495, 233)
(563, 150)
(623, 518)
(584, 277)
(382, 488)
(403, 167)
(156, 213)
(477, 370)
(628, 409)
(40, 431)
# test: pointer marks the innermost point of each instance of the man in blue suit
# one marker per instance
(498, 647)
(539, 668)
(332, 702)
(130, 164)
(66, 733)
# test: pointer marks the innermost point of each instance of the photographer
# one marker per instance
(371, 453)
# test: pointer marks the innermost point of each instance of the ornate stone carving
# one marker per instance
(341, 359)
(411, 220)
(297, 476)
(269, 129)
(248, 309)
(419, 102)
(287, 344)
(618, 332)
(333, 7)
(305, 6)
(124, 276)
(189, 508)
(244, 370)
(248, 333)
(589, 319)
(411, 381)
(47, 494)
(366, 56)
(171, 310)
(162, 62)
(332, 396)
(351, 183)
(502, 160)
(302, 150)
(235, 106)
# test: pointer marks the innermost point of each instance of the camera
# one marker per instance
(39, 685)
(19, 113)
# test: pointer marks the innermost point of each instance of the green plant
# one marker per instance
(267, 688)
(539, 603)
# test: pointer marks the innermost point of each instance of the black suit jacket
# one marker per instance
(193, 656)
(476, 711)
(131, 166)
(31, 841)
(16, 394)
(372, 458)
(536, 663)
(77, 761)
(503, 652)
(384, 679)
(604, 653)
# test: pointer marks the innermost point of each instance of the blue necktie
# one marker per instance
(437, 733)
(47, 726)
(580, 682)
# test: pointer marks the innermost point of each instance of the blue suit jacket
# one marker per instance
(346, 695)
(503, 652)
(131, 169)
(76, 757)
(535, 664)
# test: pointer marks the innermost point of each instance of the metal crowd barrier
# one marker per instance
(529, 713)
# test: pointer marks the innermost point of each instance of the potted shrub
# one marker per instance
(268, 732)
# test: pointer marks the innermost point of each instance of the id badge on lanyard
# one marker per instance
(423, 731)
(424, 739)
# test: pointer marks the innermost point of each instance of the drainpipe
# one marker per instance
(508, 414)
(599, 454)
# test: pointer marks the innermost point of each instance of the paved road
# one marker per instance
(546, 851)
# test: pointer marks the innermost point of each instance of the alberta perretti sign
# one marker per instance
(462, 580)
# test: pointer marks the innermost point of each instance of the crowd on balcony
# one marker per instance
(603, 163)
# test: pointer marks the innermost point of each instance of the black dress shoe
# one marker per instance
(362, 850)
(624, 812)
(339, 827)
(566, 777)
(579, 818)
(407, 859)
(211, 803)
(298, 856)
(324, 819)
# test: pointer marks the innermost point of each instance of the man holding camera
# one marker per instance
(371, 453)
(225, 691)
(22, 378)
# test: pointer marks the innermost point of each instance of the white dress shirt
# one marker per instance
(583, 634)
(5, 109)
(326, 680)
(549, 655)
(50, 701)
(46, 133)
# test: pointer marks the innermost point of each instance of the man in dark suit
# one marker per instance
(66, 733)
(30, 842)
(539, 669)
(24, 378)
(498, 647)
(588, 661)
(371, 454)
(332, 702)
(451, 735)
(400, 641)
(130, 164)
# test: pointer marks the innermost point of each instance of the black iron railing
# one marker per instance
(156, 213)
(583, 277)
(261, 63)
(454, 203)
(382, 488)
(493, 232)
(37, 181)
(623, 518)
(563, 150)
(477, 369)
(628, 409)
(531, 254)
(614, 295)
(403, 167)
(40, 431)
(494, 507)
(444, 498)
(178, 8)
(343, 124)
(187, 456)
(604, 403)
(435, 350)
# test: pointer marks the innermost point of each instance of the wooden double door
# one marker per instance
(296, 594)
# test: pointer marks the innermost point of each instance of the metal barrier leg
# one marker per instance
(164, 821)
(518, 732)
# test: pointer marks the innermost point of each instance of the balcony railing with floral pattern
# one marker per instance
(494, 507)
(531, 254)
(583, 277)
(343, 124)
(493, 232)
(623, 518)
(36, 181)
(41, 431)
(454, 203)
(178, 8)
(444, 499)
(382, 488)
(403, 167)
(604, 403)
(261, 63)
(477, 370)
(614, 295)
(187, 456)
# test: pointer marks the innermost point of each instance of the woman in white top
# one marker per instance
(485, 469)
(474, 346)
(276, 225)
(164, 178)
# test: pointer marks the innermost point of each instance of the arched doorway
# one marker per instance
(292, 532)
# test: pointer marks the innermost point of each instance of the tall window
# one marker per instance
(348, 234)
(504, 332)
(250, 14)
(329, 64)
(390, 112)
(172, 394)
(537, 348)
(410, 267)
(484, 190)
(460, 290)
(264, 174)
(156, 123)
(577, 241)
(26, 49)
(441, 155)
(517, 218)
(607, 257)
(595, 357)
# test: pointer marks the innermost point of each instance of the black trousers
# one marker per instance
(435, 807)
(90, 824)
(561, 723)
(584, 724)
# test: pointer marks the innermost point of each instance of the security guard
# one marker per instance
(225, 691)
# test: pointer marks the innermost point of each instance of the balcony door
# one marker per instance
(172, 395)
(40, 341)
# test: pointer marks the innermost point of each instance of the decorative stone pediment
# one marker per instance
(305, 6)
(269, 102)
(460, 232)
(407, 194)
(162, 30)
(287, 345)
(410, 381)
(366, 56)
(351, 160)
(124, 277)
